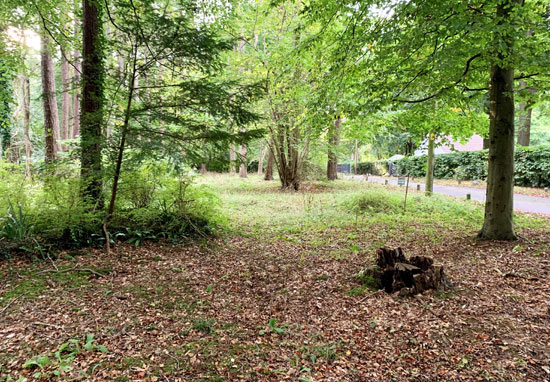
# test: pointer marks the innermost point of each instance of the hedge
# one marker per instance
(532, 166)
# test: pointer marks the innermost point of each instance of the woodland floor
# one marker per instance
(202, 312)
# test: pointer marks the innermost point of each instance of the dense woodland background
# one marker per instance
(99, 96)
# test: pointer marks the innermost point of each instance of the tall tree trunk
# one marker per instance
(333, 141)
(429, 188)
(243, 171)
(26, 93)
(5, 116)
(51, 117)
(203, 168)
(77, 86)
(269, 166)
(525, 113)
(499, 206)
(122, 144)
(92, 102)
(356, 157)
(65, 101)
(261, 159)
(524, 128)
(232, 159)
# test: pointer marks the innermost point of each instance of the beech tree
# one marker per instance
(400, 53)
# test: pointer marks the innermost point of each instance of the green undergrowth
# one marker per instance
(32, 282)
(258, 207)
(42, 215)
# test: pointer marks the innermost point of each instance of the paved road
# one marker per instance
(522, 203)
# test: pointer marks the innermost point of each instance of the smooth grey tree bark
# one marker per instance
(498, 223)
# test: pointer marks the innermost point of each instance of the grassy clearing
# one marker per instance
(257, 206)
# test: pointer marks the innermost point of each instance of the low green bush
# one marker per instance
(532, 166)
(374, 168)
(152, 203)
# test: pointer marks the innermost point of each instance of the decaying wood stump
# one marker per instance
(395, 273)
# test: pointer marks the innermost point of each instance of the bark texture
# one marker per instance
(333, 141)
(25, 86)
(92, 102)
(356, 157)
(77, 86)
(243, 171)
(65, 100)
(395, 273)
(525, 114)
(524, 128)
(286, 154)
(430, 168)
(232, 159)
(51, 116)
(269, 165)
(499, 206)
(261, 159)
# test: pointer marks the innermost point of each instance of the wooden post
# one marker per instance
(468, 196)
(406, 193)
(386, 182)
(418, 187)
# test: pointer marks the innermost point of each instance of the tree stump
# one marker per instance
(395, 273)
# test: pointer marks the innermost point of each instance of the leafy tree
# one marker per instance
(171, 100)
(413, 52)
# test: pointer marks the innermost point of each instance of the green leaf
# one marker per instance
(39, 361)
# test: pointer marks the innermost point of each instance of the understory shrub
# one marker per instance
(532, 166)
(373, 203)
(374, 168)
(311, 171)
(167, 206)
(152, 203)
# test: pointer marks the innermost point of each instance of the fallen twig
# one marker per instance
(513, 274)
(426, 307)
(46, 324)
(72, 269)
(9, 303)
(380, 291)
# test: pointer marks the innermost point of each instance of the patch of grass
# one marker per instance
(321, 277)
(358, 291)
(33, 284)
(327, 351)
(368, 281)
(204, 325)
(345, 204)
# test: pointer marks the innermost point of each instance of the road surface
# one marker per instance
(524, 203)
